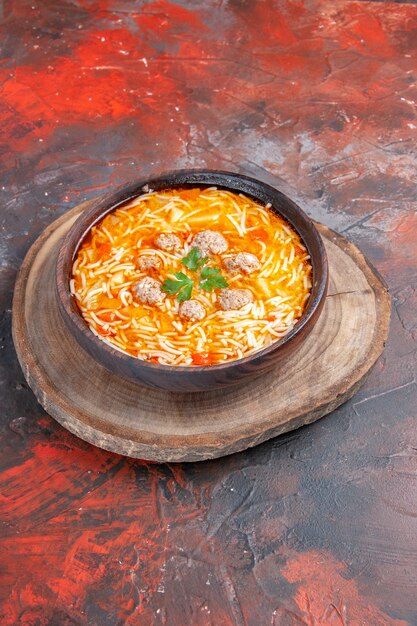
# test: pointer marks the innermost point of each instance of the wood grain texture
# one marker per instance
(125, 417)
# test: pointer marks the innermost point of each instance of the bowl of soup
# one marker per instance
(192, 280)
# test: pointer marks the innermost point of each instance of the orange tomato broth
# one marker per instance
(105, 271)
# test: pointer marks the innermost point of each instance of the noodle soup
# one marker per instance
(198, 276)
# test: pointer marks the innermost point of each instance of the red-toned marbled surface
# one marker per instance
(318, 98)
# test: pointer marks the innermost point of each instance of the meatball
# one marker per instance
(148, 290)
(192, 310)
(242, 262)
(148, 262)
(234, 298)
(210, 242)
(168, 242)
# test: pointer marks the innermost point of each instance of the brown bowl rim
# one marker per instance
(190, 177)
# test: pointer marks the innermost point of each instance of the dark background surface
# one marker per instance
(319, 99)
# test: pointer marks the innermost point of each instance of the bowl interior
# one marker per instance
(257, 190)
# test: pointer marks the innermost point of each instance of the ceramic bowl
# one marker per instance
(192, 378)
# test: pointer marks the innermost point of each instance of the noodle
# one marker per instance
(106, 270)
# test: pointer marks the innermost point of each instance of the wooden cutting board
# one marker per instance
(128, 418)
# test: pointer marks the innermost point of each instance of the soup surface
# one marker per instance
(191, 277)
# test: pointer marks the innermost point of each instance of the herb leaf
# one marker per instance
(182, 286)
(208, 272)
(211, 278)
(194, 260)
(171, 286)
(185, 293)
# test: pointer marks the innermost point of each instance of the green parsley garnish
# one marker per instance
(183, 286)
(194, 260)
(211, 278)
